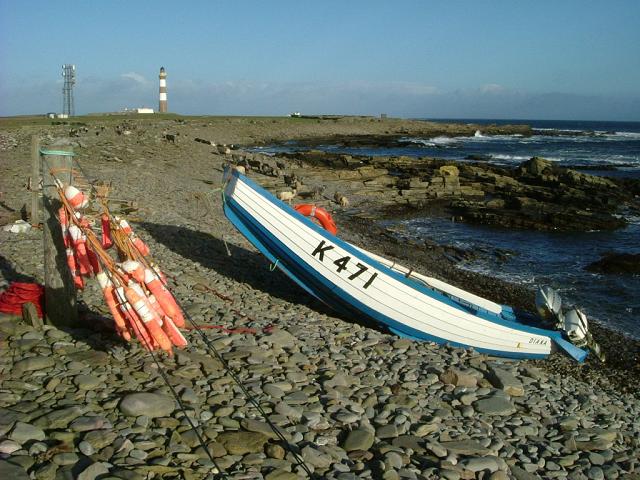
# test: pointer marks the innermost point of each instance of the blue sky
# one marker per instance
(468, 59)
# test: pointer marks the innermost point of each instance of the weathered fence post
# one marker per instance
(36, 172)
(60, 293)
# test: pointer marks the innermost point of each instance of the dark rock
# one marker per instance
(241, 443)
(12, 471)
(505, 380)
(623, 263)
(458, 378)
(478, 157)
(33, 363)
(495, 405)
(59, 418)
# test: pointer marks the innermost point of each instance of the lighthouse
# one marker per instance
(162, 108)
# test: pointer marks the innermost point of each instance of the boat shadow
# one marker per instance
(243, 266)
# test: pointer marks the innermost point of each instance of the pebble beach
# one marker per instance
(350, 400)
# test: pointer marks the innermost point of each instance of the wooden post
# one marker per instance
(60, 293)
(30, 315)
(36, 173)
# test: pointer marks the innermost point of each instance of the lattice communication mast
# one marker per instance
(69, 75)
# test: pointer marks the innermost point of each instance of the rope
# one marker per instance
(57, 152)
(226, 245)
(219, 471)
(213, 351)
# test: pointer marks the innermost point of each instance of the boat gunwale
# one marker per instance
(553, 336)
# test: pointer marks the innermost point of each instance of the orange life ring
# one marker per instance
(320, 214)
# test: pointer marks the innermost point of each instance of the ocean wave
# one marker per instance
(477, 137)
(520, 158)
(633, 135)
(563, 134)
(433, 142)
(559, 129)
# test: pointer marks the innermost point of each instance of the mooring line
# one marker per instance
(213, 351)
(163, 374)
(219, 471)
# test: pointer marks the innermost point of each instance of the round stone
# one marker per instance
(360, 439)
(86, 382)
(67, 458)
(595, 473)
(23, 432)
(150, 404)
(33, 363)
(86, 448)
(9, 446)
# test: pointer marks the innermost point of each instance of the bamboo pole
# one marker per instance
(60, 293)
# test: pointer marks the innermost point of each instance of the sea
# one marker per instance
(537, 258)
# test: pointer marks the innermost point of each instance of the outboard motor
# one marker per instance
(576, 326)
(549, 304)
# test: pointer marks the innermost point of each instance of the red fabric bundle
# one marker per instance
(18, 293)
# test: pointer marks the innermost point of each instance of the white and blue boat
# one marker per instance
(361, 284)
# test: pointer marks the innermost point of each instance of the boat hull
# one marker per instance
(359, 286)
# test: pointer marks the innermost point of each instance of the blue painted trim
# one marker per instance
(305, 276)
(569, 348)
(260, 246)
(397, 276)
(329, 292)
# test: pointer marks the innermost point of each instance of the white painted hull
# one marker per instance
(357, 282)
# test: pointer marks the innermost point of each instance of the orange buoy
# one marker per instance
(134, 321)
(75, 197)
(168, 326)
(164, 297)
(138, 243)
(64, 224)
(107, 241)
(109, 295)
(93, 260)
(151, 321)
(79, 242)
(319, 214)
(134, 269)
(156, 306)
(78, 282)
(173, 333)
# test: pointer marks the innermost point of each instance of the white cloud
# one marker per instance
(136, 77)
(233, 97)
(492, 88)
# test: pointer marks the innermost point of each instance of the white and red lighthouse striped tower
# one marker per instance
(162, 108)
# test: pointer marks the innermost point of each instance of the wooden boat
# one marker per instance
(358, 283)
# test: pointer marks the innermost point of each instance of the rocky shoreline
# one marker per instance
(537, 195)
(352, 400)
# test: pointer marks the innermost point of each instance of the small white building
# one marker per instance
(138, 110)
